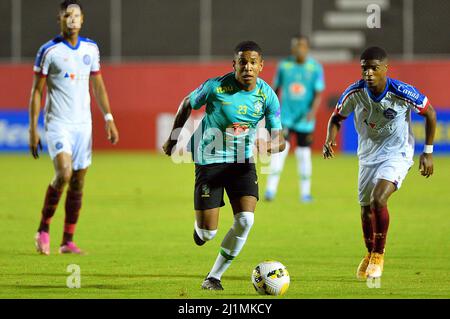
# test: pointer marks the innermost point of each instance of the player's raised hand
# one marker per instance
(426, 164)
(111, 132)
(328, 151)
(35, 143)
(168, 146)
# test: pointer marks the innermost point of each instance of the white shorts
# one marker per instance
(393, 170)
(75, 140)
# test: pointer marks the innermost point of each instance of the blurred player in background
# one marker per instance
(382, 118)
(299, 79)
(222, 150)
(66, 65)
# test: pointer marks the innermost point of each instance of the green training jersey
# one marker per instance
(227, 131)
(298, 84)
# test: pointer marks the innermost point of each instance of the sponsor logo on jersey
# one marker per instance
(240, 128)
(297, 89)
(407, 92)
(74, 76)
(224, 89)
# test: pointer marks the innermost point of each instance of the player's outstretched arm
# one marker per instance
(34, 108)
(183, 113)
(334, 124)
(101, 96)
(426, 158)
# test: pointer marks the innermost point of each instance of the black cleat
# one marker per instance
(212, 284)
(198, 240)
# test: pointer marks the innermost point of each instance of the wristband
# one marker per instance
(428, 149)
(109, 117)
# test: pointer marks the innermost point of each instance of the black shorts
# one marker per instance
(303, 139)
(238, 179)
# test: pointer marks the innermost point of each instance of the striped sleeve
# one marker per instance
(417, 101)
(43, 59)
(345, 104)
(95, 66)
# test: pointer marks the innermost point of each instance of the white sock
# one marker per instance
(276, 167)
(204, 234)
(232, 243)
(304, 166)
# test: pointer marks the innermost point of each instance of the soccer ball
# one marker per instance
(271, 278)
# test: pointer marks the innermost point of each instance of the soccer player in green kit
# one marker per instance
(222, 149)
(299, 80)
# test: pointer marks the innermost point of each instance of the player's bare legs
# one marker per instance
(63, 171)
(234, 240)
(243, 204)
(205, 226)
(366, 221)
(380, 224)
(72, 206)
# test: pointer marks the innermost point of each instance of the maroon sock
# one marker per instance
(380, 228)
(51, 201)
(366, 221)
(73, 206)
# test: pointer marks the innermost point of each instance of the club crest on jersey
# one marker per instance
(390, 114)
(87, 59)
(59, 145)
(257, 108)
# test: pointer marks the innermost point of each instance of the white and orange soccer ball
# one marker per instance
(271, 278)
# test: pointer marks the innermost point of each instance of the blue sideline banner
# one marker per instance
(441, 141)
(14, 130)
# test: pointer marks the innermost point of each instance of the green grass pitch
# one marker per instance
(137, 220)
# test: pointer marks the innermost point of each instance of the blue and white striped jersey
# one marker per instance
(383, 122)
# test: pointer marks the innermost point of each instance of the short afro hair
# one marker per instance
(247, 46)
(300, 36)
(66, 3)
(373, 53)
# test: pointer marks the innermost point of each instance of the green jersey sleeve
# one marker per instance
(202, 94)
(272, 113)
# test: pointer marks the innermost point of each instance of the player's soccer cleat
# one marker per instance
(307, 199)
(362, 268)
(42, 242)
(198, 240)
(211, 283)
(70, 248)
(269, 196)
(375, 268)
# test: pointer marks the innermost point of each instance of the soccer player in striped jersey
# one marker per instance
(222, 149)
(66, 65)
(382, 116)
